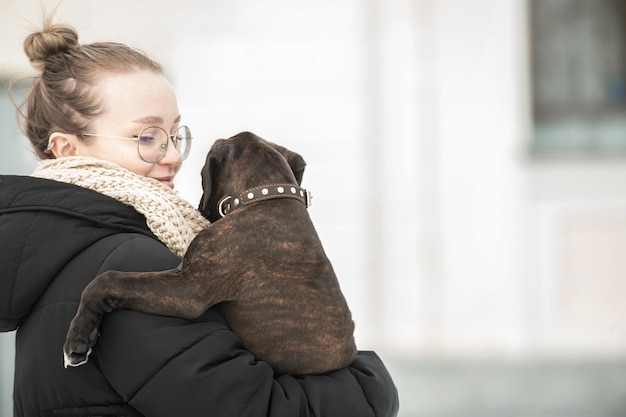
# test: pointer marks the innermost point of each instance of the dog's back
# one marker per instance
(288, 307)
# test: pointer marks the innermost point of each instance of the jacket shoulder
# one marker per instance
(135, 252)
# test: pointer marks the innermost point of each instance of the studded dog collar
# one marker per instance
(230, 203)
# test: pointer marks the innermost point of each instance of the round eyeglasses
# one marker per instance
(152, 142)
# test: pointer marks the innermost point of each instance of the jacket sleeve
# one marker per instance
(166, 366)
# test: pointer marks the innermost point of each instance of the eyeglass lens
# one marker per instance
(153, 142)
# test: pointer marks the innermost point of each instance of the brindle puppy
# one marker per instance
(263, 262)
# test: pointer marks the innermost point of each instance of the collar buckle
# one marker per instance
(223, 211)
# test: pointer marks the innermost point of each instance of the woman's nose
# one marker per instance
(172, 156)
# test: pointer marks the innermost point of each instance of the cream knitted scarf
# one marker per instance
(172, 219)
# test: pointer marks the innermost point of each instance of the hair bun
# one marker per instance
(50, 40)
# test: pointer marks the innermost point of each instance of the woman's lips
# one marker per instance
(169, 181)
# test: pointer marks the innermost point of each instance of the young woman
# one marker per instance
(105, 123)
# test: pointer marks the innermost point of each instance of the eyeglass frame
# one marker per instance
(138, 138)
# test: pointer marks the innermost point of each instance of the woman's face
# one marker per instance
(132, 102)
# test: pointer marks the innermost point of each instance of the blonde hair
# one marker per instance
(63, 97)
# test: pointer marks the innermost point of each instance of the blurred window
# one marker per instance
(578, 63)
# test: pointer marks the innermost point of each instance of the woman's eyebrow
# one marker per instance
(153, 120)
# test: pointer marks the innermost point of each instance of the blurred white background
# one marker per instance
(467, 161)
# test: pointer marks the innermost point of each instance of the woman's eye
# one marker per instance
(145, 138)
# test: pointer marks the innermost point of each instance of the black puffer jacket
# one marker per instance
(55, 238)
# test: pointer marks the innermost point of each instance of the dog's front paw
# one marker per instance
(74, 359)
(76, 353)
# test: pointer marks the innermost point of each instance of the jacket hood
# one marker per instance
(44, 224)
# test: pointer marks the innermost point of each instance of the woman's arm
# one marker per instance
(165, 366)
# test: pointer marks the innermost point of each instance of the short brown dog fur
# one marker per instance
(263, 263)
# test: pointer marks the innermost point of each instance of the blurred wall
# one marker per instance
(477, 271)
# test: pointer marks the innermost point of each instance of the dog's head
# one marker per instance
(242, 162)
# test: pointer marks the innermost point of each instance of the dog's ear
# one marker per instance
(207, 182)
(297, 164)
(295, 161)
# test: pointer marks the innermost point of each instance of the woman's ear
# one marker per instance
(62, 144)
